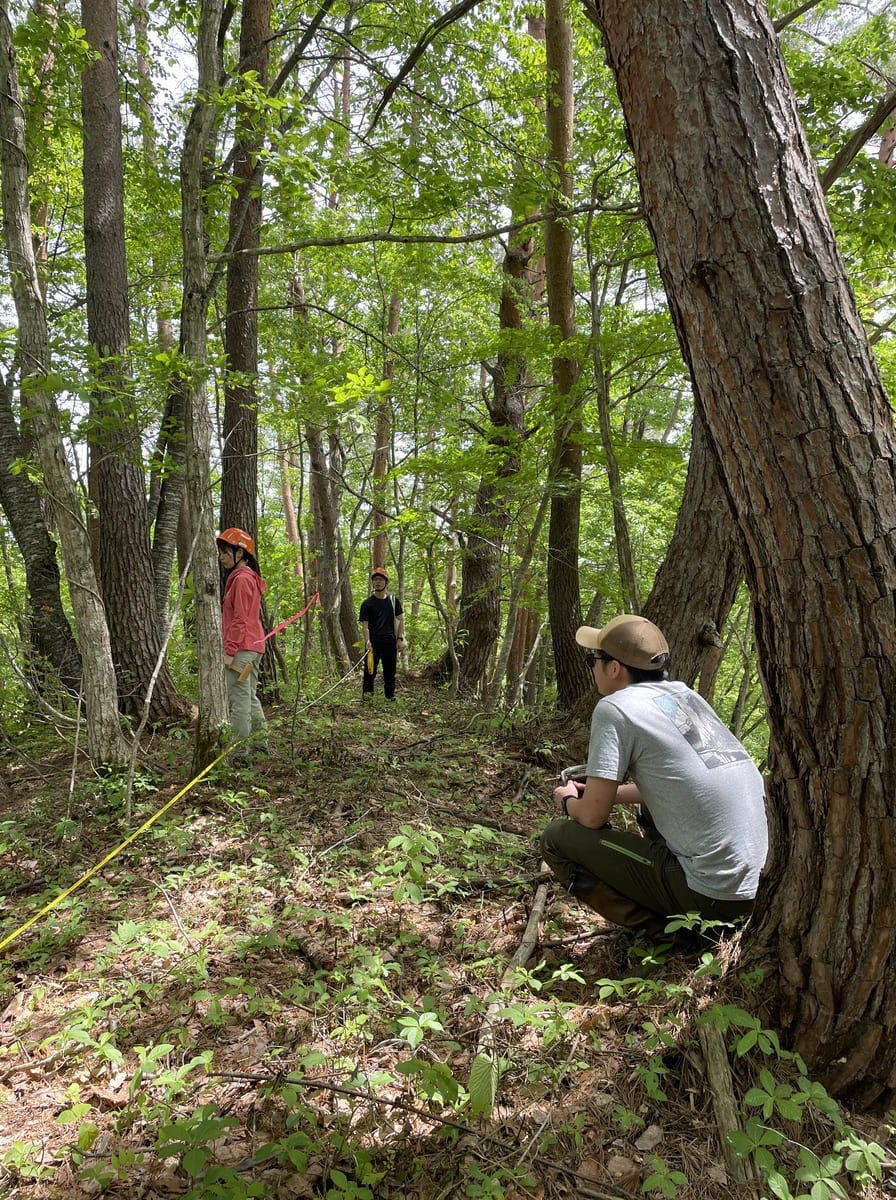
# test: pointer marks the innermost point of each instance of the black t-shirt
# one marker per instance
(380, 617)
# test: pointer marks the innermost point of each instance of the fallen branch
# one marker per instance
(718, 1075)
(178, 922)
(520, 958)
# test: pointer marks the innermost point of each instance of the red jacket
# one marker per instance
(240, 622)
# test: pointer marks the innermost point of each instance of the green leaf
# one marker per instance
(767, 1080)
(741, 1144)
(747, 1042)
(789, 1109)
(483, 1084)
(778, 1184)
(195, 1159)
(87, 1135)
(74, 1114)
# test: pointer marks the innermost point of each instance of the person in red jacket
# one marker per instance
(243, 631)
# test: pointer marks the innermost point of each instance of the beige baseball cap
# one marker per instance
(633, 641)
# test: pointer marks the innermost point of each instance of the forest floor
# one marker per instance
(341, 973)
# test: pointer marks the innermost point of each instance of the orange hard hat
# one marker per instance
(379, 571)
(236, 537)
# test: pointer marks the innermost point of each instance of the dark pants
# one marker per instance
(387, 654)
(637, 877)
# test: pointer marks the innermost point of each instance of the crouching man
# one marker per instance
(704, 836)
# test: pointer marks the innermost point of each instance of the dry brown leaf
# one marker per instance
(618, 1166)
(591, 1168)
(650, 1138)
(16, 1007)
(598, 1018)
(169, 1184)
(624, 1173)
(228, 1151)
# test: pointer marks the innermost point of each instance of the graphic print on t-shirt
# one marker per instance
(702, 729)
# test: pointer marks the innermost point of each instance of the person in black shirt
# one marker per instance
(382, 622)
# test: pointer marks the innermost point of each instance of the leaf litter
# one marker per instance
(283, 988)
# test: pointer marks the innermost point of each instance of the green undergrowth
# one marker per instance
(296, 983)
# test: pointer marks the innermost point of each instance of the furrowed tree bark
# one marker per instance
(804, 439)
(239, 457)
(116, 469)
(106, 742)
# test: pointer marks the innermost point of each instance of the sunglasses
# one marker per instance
(593, 656)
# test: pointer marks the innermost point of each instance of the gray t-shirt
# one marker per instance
(703, 791)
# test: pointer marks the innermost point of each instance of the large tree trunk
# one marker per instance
(564, 603)
(105, 740)
(116, 470)
(805, 443)
(239, 457)
(478, 624)
(697, 582)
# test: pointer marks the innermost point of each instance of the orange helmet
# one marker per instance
(379, 571)
(236, 537)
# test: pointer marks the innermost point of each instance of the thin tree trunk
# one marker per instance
(697, 582)
(383, 446)
(348, 618)
(286, 459)
(194, 314)
(169, 511)
(627, 575)
(564, 603)
(520, 578)
(326, 521)
(49, 633)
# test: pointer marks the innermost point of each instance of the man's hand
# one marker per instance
(591, 802)
(228, 660)
(566, 792)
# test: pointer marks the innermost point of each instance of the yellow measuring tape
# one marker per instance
(99, 866)
(146, 824)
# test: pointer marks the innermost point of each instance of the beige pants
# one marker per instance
(246, 713)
